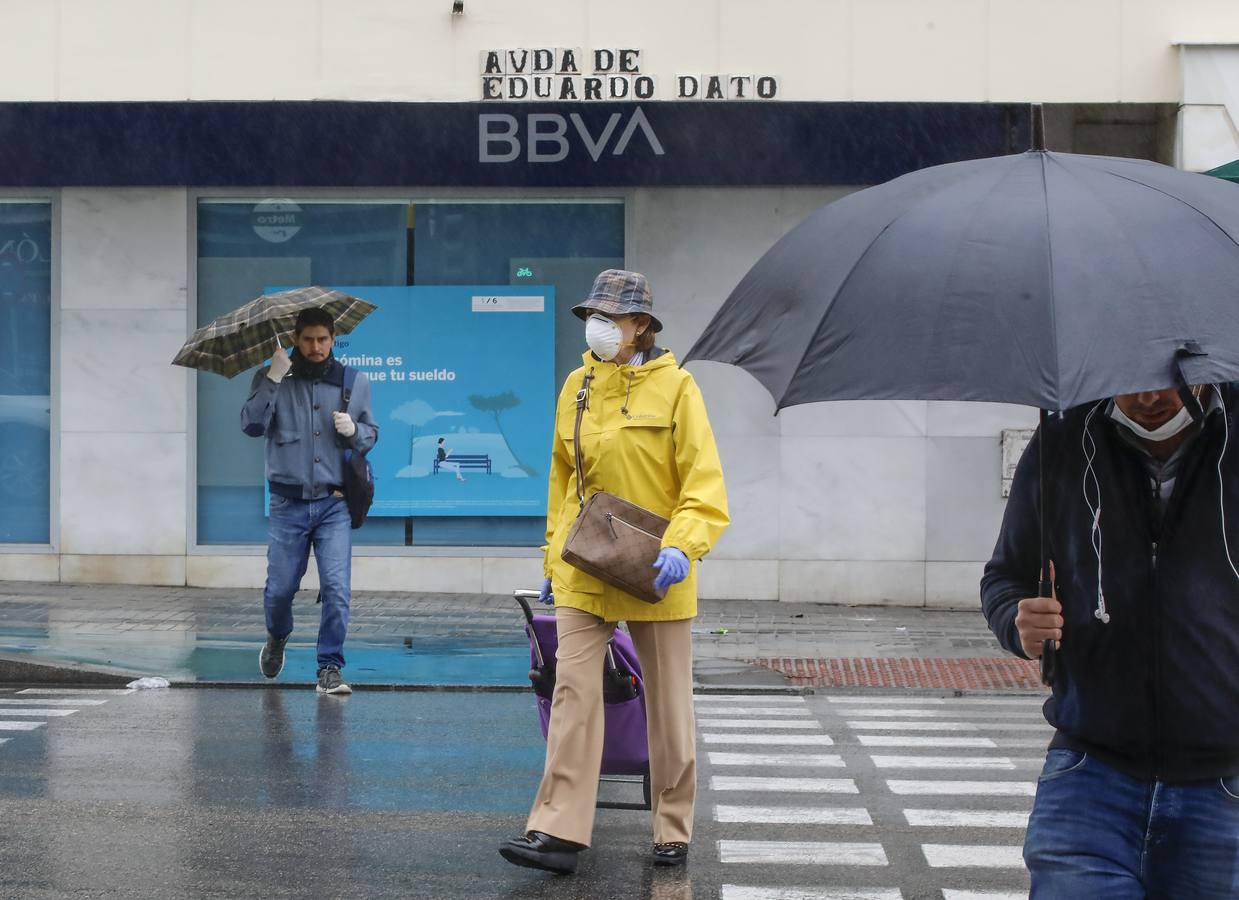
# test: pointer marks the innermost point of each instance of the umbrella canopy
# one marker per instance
(1229, 171)
(1045, 279)
(247, 336)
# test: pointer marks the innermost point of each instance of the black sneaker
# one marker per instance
(330, 682)
(271, 657)
(537, 850)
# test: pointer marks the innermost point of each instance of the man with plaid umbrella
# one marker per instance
(298, 404)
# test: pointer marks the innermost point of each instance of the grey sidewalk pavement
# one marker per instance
(765, 641)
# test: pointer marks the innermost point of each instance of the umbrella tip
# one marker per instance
(1037, 115)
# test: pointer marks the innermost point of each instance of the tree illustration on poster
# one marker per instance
(497, 405)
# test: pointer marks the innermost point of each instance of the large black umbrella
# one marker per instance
(1045, 279)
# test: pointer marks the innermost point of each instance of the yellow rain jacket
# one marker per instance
(660, 454)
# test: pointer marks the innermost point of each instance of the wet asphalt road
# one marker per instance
(282, 793)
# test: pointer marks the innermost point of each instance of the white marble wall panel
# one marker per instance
(852, 499)
(227, 61)
(673, 46)
(953, 585)
(503, 575)
(116, 373)
(944, 44)
(855, 418)
(738, 579)
(125, 49)
(964, 504)
(28, 56)
(123, 569)
(429, 574)
(951, 419)
(124, 248)
(853, 582)
(226, 571)
(751, 472)
(122, 493)
(29, 567)
(1086, 42)
(823, 33)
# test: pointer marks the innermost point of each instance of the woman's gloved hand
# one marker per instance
(545, 595)
(672, 566)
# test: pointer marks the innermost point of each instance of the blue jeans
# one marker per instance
(294, 526)
(1100, 834)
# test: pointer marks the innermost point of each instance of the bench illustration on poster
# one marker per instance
(464, 461)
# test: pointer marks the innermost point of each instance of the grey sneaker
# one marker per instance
(330, 682)
(271, 657)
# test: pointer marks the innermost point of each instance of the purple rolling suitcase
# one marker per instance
(625, 746)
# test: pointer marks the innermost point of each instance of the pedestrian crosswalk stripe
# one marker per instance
(983, 895)
(987, 788)
(802, 853)
(20, 726)
(755, 711)
(878, 701)
(827, 760)
(959, 856)
(899, 740)
(84, 692)
(738, 892)
(789, 724)
(794, 815)
(4, 740)
(42, 701)
(951, 726)
(966, 818)
(34, 711)
(783, 785)
(938, 713)
(784, 740)
(750, 699)
(941, 701)
(942, 762)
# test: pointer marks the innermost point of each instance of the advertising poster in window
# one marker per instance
(463, 389)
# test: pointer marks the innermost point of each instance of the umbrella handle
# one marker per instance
(1049, 649)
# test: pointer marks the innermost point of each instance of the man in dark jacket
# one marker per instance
(1140, 791)
(297, 404)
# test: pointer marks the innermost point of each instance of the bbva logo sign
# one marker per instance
(547, 137)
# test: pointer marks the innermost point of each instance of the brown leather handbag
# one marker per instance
(615, 541)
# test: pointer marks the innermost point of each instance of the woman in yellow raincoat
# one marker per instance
(645, 437)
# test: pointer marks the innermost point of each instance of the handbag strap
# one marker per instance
(582, 403)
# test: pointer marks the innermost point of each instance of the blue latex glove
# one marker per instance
(545, 595)
(672, 566)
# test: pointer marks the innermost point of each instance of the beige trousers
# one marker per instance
(565, 803)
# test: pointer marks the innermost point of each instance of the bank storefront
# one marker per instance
(474, 225)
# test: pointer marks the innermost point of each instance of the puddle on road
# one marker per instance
(181, 656)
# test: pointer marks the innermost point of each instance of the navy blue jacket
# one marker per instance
(1155, 693)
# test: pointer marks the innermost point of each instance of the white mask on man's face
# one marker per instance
(604, 337)
(1168, 429)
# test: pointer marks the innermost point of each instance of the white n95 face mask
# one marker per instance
(1168, 429)
(603, 336)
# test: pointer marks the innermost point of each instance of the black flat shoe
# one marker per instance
(672, 853)
(537, 850)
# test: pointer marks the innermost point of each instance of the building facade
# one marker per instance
(165, 161)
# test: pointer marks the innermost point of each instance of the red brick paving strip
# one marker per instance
(973, 674)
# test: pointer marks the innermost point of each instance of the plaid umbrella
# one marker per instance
(248, 336)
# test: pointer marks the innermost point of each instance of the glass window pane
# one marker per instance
(25, 372)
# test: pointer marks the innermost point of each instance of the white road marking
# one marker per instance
(951, 726)
(899, 740)
(40, 701)
(960, 856)
(983, 895)
(936, 713)
(978, 788)
(802, 853)
(84, 691)
(20, 726)
(786, 740)
(738, 892)
(828, 760)
(794, 815)
(798, 712)
(941, 701)
(783, 785)
(943, 762)
(790, 724)
(966, 818)
(40, 713)
(750, 699)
